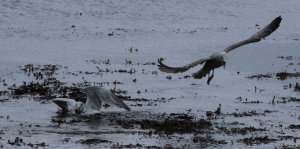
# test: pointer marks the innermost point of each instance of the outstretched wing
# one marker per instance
(164, 68)
(118, 102)
(92, 100)
(109, 98)
(266, 31)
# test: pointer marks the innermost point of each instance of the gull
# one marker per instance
(96, 96)
(69, 105)
(218, 59)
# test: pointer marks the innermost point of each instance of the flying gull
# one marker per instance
(96, 96)
(218, 59)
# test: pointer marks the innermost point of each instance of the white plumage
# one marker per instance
(96, 96)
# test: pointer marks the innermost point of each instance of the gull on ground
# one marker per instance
(96, 96)
(218, 59)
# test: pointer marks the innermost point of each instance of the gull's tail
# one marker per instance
(201, 73)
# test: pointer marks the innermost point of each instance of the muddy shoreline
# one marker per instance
(45, 85)
(53, 49)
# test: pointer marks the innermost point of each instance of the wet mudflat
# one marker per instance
(254, 102)
(30, 119)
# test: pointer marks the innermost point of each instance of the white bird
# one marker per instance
(69, 105)
(95, 98)
(218, 59)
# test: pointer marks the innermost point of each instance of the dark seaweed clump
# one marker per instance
(92, 141)
(45, 85)
(19, 142)
(260, 76)
(285, 146)
(242, 131)
(246, 114)
(286, 75)
(128, 146)
(174, 123)
(278, 75)
(288, 99)
(297, 87)
(293, 126)
(257, 140)
(207, 141)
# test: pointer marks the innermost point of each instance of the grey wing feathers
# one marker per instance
(266, 31)
(111, 99)
(164, 68)
(93, 101)
(120, 103)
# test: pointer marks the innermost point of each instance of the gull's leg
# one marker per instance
(210, 77)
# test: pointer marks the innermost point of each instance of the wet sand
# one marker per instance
(59, 50)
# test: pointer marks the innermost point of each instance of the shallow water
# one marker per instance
(55, 33)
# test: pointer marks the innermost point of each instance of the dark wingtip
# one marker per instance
(276, 22)
(159, 61)
(61, 104)
(57, 102)
(161, 66)
(121, 104)
(278, 19)
(127, 108)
